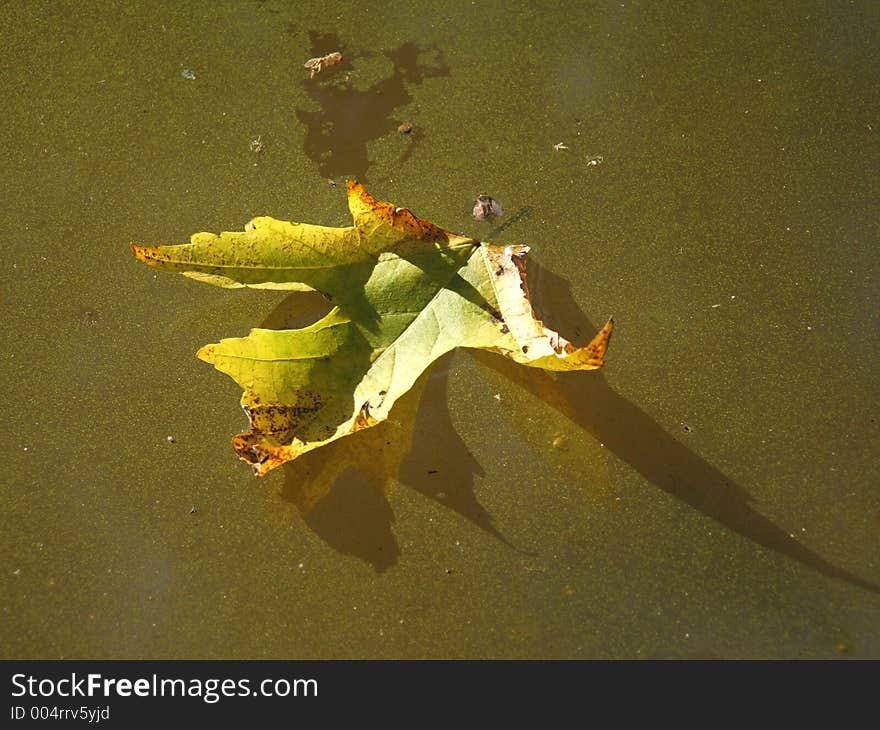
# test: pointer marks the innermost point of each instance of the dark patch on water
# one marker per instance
(348, 118)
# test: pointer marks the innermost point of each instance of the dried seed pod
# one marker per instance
(486, 206)
(316, 65)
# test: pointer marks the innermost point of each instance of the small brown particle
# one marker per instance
(406, 127)
(843, 647)
(316, 65)
(486, 206)
(560, 443)
(88, 316)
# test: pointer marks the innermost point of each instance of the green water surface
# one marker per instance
(713, 492)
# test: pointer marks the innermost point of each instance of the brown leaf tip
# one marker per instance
(145, 254)
(263, 457)
(400, 219)
(599, 344)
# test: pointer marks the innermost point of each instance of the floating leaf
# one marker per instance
(404, 293)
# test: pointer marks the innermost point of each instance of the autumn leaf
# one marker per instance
(404, 292)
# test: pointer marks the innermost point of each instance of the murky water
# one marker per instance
(711, 493)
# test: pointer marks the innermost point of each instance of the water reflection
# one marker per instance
(347, 118)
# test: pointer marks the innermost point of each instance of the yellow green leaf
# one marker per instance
(404, 293)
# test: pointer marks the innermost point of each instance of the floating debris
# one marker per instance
(560, 443)
(257, 145)
(486, 206)
(316, 65)
(560, 146)
(844, 647)
(169, 439)
(595, 161)
(406, 127)
(188, 73)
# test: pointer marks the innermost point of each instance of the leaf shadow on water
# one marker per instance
(341, 490)
(348, 118)
(637, 439)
